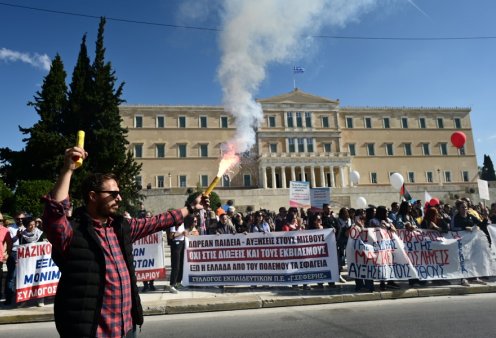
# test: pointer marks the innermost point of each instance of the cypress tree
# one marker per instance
(487, 172)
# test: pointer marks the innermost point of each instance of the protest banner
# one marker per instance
(280, 258)
(148, 254)
(318, 197)
(37, 275)
(299, 194)
(380, 254)
(483, 190)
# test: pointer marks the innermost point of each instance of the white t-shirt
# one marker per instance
(179, 229)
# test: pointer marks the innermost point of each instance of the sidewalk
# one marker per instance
(198, 299)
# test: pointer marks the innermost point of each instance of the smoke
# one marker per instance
(36, 60)
(256, 33)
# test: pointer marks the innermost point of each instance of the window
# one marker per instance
(310, 145)
(404, 122)
(182, 181)
(389, 149)
(291, 144)
(138, 150)
(440, 122)
(422, 124)
(160, 181)
(226, 181)
(425, 149)
(138, 121)
(290, 121)
(160, 122)
(407, 147)
(160, 150)
(386, 123)
(373, 178)
(273, 148)
(308, 119)
(368, 122)
(139, 181)
(301, 145)
(299, 120)
(203, 150)
(181, 150)
(349, 122)
(203, 122)
(327, 147)
(204, 180)
(461, 151)
(182, 122)
(224, 122)
(370, 149)
(465, 177)
(443, 149)
(411, 177)
(247, 180)
(447, 176)
(352, 149)
(429, 177)
(325, 121)
(458, 122)
(272, 121)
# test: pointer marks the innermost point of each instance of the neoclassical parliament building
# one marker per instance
(304, 137)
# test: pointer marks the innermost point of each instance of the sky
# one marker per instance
(215, 52)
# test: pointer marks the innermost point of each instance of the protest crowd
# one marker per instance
(407, 215)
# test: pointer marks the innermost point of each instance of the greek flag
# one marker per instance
(298, 70)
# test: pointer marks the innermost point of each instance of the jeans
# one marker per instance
(10, 282)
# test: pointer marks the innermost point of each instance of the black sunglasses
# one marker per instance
(114, 193)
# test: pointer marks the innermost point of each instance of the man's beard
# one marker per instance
(106, 212)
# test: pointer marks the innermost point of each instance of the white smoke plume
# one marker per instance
(41, 61)
(256, 33)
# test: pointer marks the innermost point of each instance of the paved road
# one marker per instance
(454, 316)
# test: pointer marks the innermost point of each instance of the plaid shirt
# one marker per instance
(115, 316)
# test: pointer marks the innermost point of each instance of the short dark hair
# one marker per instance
(94, 182)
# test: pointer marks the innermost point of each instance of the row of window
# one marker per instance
(181, 150)
(428, 177)
(182, 121)
(404, 122)
(182, 181)
(407, 149)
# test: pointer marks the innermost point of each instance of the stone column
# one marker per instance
(303, 178)
(341, 174)
(312, 176)
(264, 177)
(283, 177)
(322, 176)
(333, 183)
(293, 173)
(349, 177)
(274, 183)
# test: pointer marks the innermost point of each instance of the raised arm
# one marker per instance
(61, 189)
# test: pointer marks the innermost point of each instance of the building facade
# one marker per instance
(305, 138)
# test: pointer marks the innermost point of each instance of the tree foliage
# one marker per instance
(487, 171)
(27, 196)
(90, 103)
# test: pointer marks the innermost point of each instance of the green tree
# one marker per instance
(487, 171)
(27, 196)
(5, 197)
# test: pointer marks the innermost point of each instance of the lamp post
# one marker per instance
(170, 180)
(439, 175)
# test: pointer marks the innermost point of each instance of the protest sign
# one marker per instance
(318, 197)
(37, 275)
(299, 194)
(281, 258)
(379, 254)
(148, 254)
(483, 190)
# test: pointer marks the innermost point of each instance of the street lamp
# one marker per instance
(170, 180)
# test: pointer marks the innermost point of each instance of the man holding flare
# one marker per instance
(97, 293)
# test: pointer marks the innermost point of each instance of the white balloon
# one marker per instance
(396, 181)
(354, 177)
(361, 202)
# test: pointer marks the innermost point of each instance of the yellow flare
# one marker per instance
(80, 144)
(212, 186)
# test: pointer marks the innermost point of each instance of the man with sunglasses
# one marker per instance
(97, 293)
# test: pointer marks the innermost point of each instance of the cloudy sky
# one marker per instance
(425, 53)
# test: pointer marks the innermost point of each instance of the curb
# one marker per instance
(234, 302)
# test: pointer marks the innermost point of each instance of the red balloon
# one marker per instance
(434, 201)
(458, 139)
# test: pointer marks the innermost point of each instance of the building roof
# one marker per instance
(297, 96)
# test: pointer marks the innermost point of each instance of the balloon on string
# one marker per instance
(361, 202)
(458, 139)
(396, 181)
(354, 177)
